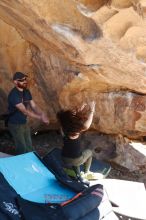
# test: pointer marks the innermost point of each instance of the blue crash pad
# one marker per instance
(32, 180)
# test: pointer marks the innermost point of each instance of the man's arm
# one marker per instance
(37, 111)
(35, 108)
(27, 112)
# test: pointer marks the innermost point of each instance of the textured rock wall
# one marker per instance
(14, 54)
(78, 50)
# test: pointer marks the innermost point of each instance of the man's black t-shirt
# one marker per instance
(71, 148)
(16, 97)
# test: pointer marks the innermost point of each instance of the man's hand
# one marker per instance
(44, 118)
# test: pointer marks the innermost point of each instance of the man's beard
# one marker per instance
(22, 86)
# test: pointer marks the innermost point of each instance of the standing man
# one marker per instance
(21, 105)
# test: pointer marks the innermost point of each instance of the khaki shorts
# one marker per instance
(78, 161)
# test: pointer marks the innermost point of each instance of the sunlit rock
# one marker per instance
(75, 51)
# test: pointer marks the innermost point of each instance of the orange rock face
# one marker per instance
(74, 51)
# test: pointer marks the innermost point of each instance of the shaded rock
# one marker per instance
(103, 146)
(131, 155)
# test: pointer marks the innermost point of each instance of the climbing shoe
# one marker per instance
(92, 176)
(70, 172)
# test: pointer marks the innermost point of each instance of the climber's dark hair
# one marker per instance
(72, 121)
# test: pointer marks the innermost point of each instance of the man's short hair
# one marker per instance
(19, 75)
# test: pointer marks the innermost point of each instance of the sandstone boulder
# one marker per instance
(74, 51)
